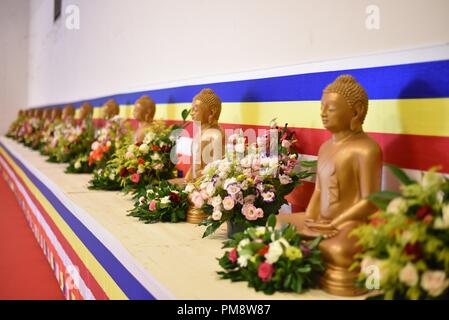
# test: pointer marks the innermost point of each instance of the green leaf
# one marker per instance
(383, 198)
(315, 242)
(185, 113)
(271, 221)
(401, 175)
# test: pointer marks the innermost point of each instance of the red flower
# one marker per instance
(232, 255)
(305, 250)
(174, 197)
(413, 250)
(135, 178)
(264, 250)
(376, 221)
(265, 271)
(140, 161)
(123, 172)
(155, 148)
(423, 212)
(131, 170)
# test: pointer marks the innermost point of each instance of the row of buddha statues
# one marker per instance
(348, 169)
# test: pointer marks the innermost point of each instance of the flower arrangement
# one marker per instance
(50, 135)
(107, 140)
(407, 241)
(13, 130)
(162, 203)
(272, 260)
(106, 178)
(32, 135)
(243, 190)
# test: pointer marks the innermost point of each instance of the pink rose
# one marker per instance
(232, 256)
(135, 177)
(251, 212)
(197, 199)
(129, 155)
(265, 271)
(152, 205)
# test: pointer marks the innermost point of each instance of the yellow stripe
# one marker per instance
(427, 117)
(105, 281)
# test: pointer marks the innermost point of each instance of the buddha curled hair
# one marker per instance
(88, 107)
(112, 105)
(69, 110)
(348, 87)
(209, 97)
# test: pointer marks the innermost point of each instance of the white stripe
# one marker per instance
(104, 236)
(84, 290)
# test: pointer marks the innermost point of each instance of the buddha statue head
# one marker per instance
(144, 109)
(46, 114)
(344, 105)
(110, 109)
(56, 113)
(68, 112)
(86, 110)
(206, 108)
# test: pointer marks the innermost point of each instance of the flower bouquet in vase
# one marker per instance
(272, 260)
(406, 244)
(242, 190)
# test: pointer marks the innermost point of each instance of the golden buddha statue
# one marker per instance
(110, 109)
(208, 143)
(349, 169)
(68, 114)
(144, 110)
(86, 111)
(56, 114)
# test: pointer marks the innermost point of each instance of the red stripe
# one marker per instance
(403, 150)
(85, 274)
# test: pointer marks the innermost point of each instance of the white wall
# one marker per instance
(14, 16)
(141, 44)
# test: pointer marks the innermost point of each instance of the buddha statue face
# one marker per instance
(68, 112)
(144, 109)
(86, 111)
(336, 114)
(56, 113)
(206, 107)
(110, 109)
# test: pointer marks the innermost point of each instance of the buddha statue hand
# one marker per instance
(324, 228)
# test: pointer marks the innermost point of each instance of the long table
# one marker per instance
(98, 252)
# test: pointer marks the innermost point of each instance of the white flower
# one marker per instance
(432, 180)
(149, 137)
(243, 260)
(242, 243)
(142, 200)
(130, 148)
(228, 203)
(210, 189)
(261, 141)
(156, 156)
(150, 191)
(434, 282)
(228, 182)
(286, 144)
(141, 169)
(144, 148)
(443, 221)
(216, 215)
(292, 156)
(246, 162)
(244, 185)
(233, 189)
(215, 201)
(409, 275)
(189, 188)
(274, 252)
(77, 165)
(111, 176)
(440, 196)
(397, 206)
(240, 148)
(95, 145)
(406, 237)
(165, 200)
(285, 179)
(108, 144)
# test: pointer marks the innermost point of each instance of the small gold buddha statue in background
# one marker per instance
(349, 169)
(110, 109)
(144, 110)
(56, 114)
(68, 115)
(86, 111)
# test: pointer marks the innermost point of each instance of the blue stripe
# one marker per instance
(406, 81)
(124, 279)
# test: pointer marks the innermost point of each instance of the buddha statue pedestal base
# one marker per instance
(339, 281)
(195, 215)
